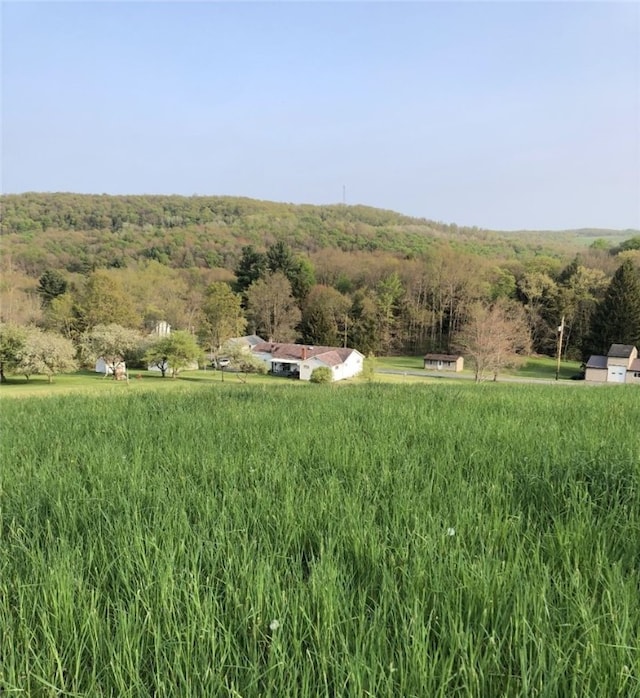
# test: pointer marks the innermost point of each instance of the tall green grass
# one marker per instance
(365, 540)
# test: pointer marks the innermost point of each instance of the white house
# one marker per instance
(300, 360)
(247, 342)
(620, 365)
(232, 346)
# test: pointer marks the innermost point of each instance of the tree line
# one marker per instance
(388, 306)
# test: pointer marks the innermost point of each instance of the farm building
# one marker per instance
(300, 360)
(161, 329)
(233, 346)
(444, 362)
(108, 368)
(620, 365)
(247, 342)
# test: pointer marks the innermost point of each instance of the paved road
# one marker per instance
(469, 376)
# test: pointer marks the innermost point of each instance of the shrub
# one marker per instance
(322, 374)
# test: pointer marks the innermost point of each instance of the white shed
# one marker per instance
(107, 368)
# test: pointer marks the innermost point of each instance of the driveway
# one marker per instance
(470, 376)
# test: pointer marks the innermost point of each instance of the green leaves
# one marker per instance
(12, 341)
(222, 316)
(617, 317)
(51, 285)
(174, 353)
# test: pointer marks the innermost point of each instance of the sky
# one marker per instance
(503, 115)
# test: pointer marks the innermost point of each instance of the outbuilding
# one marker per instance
(444, 362)
(620, 365)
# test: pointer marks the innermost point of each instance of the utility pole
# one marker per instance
(560, 336)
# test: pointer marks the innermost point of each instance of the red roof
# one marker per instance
(298, 352)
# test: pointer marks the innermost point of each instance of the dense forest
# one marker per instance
(377, 280)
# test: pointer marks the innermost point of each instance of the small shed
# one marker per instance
(108, 368)
(444, 362)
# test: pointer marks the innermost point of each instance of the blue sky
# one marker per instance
(505, 115)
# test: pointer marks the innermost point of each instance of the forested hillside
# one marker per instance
(80, 232)
(378, 280)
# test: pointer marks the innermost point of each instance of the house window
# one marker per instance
(636, 374)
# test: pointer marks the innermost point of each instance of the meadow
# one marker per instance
(427, 539)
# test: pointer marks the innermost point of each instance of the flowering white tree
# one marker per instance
(46, 353)
(111, 343)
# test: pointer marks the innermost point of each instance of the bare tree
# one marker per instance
(494, 337)
(272, 309)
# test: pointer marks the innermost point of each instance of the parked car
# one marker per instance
(220, 363)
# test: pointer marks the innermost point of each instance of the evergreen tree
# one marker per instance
(281, 258)
(298, 270)
(51, 285)
(617, 318)
(251, 267)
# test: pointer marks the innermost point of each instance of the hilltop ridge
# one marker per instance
(67, 229)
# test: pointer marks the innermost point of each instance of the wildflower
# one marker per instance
(451, 531)
(274, 625)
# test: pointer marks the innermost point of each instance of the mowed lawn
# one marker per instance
(357, 540)
(533, 367)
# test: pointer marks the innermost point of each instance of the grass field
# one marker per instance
(542, 368)
(362, 540)
(537, 367)
(86, 381)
